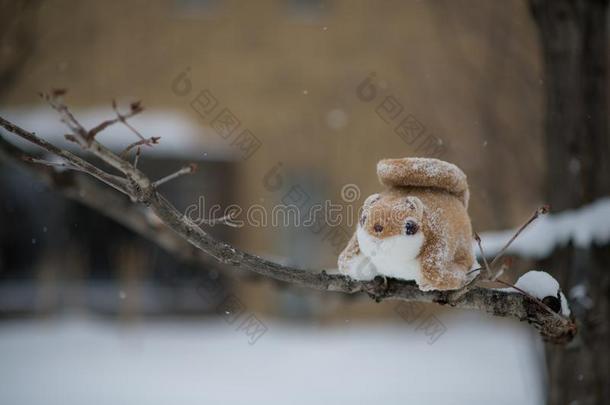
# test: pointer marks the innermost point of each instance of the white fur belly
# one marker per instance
(395, 256)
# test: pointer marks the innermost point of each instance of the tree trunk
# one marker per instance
(574, 44)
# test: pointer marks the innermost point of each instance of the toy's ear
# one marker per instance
(415, 205)
(364, 211)
(370, 200)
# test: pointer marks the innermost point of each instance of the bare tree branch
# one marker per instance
(80, 188)
(141, 189)
(60, 165)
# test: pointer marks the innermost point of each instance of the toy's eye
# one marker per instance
(411, 227)
(362, 219)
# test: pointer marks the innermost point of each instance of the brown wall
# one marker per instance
(467, 71)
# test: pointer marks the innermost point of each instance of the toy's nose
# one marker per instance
(378, 228)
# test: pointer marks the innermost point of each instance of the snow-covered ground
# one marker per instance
(77, 360)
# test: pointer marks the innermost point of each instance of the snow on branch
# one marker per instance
(515, 302)
(583, 227)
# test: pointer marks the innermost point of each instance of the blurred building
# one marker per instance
(288, 75)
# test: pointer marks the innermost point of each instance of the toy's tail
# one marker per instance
(423, 172)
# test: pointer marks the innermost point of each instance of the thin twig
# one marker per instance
(54, 100)
(69, 157)
(224, 220)
(59, 165)
(185, 170)
(85, 189)
(69, 166)
(136, 158)
(505, 266)
(540, 211)
(487, 267)
(136, 108)
(81, 137)
(148, 141)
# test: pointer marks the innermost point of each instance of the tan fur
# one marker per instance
(424, 172)
(434, 194)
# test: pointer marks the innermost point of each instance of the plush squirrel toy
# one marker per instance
(417, 229)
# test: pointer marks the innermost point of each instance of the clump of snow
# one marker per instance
(541, 284)
(583, 227)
